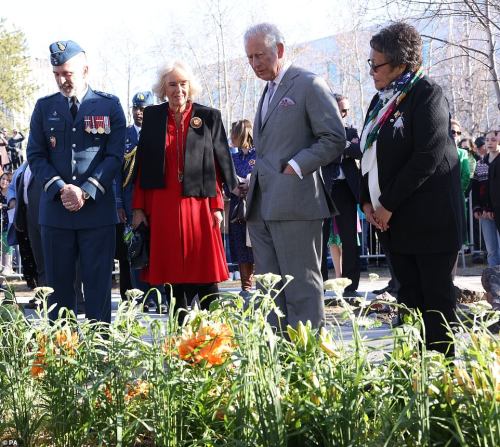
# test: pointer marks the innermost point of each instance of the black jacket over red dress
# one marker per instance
(181, 170)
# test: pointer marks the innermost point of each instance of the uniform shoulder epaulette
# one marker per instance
(104, 94)
(49, 96)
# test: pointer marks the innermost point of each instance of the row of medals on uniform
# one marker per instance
(97, 124)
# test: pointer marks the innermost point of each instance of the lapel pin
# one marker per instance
(195, 122)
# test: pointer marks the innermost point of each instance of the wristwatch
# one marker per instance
(85, 194)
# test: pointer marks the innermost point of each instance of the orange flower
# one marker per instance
(67, 340)
(38, 365)
(107, 394)
(141, 389)
(212, 343)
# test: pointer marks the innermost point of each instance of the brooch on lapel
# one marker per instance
(251, 162)
(286, 102)
(196, 122)
(399, 124)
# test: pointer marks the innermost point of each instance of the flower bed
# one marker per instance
(225, 378)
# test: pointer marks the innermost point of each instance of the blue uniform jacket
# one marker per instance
(124, 194)
(60, 151)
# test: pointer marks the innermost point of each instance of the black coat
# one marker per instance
(347, 161)
(419, 175)
(206, 151)
(494, 182)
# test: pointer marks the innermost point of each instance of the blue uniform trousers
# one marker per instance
(94, 248)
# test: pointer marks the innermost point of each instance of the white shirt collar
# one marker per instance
(137, 129)
(281, 73)
(79, 96)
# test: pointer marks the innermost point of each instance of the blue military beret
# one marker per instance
(62, 51)
(142, 99)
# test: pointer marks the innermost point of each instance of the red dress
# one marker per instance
(185, 245)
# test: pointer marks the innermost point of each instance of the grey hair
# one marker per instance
(338, 97)
(272, 35)
(160, 86)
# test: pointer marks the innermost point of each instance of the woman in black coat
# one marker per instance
(411, 178)
(183, 160)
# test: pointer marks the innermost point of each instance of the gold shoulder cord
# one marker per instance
(128, 165)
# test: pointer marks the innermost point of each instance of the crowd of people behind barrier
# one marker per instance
(301, 180)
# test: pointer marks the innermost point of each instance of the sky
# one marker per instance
(95, 23)
(145, 33)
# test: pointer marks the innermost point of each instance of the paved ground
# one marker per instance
(468, 277)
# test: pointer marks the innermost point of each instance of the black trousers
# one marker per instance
(347, 224)
(384, 243)
(426, 284)
(92, 249)
(185, 293)
(122, 255)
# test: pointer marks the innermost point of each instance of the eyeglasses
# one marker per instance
(376, 67)
(456, 132)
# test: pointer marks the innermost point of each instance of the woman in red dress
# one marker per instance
(183, 159)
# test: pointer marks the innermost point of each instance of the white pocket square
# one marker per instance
(286, 102)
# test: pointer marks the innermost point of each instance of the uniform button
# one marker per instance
(73, 145)
(51, 128)
(74, 162)
(74, 177)
(74, 129)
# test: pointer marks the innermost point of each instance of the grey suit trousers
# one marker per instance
(290, 247)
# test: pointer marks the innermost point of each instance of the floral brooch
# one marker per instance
(399, 124)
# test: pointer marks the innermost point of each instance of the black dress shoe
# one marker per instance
(33, 303)
(381, 291)
(163, 309)
(352, 294)
(150, 305)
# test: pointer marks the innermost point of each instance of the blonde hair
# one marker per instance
(241, 134)
(160, 86)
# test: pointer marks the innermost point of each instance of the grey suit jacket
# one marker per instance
(303, 123)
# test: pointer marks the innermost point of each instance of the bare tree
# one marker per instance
(482, 18)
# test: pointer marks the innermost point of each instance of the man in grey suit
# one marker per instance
(297, 130)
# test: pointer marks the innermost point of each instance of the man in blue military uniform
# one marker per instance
(75, 149)
(124, 186)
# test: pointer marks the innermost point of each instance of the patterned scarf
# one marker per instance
(388, 99)
(391, 96)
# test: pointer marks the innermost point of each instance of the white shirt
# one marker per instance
(138, 130)
(268, 98)
(26, 181)
(79, 98)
